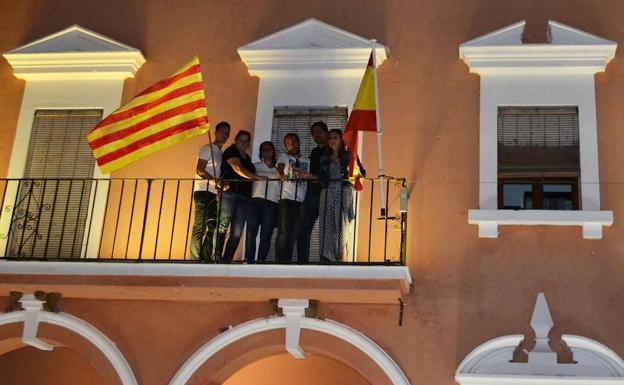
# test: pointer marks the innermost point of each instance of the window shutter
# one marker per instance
(56, 186)
(538, 141)
(299, 119)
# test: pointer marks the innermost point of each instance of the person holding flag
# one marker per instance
(206, 187)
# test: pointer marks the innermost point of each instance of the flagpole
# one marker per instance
(380, 172)
(214, 169)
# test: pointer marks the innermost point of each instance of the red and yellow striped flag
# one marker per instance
(166, 113)
(362, 118)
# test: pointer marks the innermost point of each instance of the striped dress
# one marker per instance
(336, 215)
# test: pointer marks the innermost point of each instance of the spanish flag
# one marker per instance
(362, 118)
(166, 113)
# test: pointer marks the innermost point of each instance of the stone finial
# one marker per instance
(542, 323)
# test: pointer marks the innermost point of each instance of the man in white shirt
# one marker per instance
(292, 168)
(205, 194)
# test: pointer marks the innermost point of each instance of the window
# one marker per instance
(57, 205)
(538, 165)
(538, 158)
(298, 120)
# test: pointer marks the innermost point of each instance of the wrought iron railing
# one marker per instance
(152, 220)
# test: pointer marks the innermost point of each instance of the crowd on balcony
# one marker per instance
(289, 191)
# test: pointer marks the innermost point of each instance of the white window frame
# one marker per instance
(560, 73)
(62, 73)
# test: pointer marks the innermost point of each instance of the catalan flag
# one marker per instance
(166, 113)
(363, 118)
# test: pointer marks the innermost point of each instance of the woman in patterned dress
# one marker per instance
(336, 206)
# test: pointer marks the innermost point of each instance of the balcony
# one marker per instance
(73, 235)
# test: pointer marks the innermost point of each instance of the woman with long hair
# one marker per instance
(336, 207)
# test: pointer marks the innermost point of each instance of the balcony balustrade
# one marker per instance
(151, 220)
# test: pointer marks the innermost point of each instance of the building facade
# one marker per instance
(502, 181)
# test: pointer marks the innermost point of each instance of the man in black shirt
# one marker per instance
(235, 168)
(319, 131)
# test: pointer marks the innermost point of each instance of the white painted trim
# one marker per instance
(309, 49)
(68, 94)
(477, 379)
(591, 221)
(33, 309)
(59, 42)
(570, 51)
(490, 363)
(75, 53)
(309, 62)
(557, 74)
(333, 328)
(207, 270)
(88, 332)
(294, 312)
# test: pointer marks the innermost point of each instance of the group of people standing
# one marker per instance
(288, 191)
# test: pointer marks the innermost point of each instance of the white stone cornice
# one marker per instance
(311, 48)
(75, 53)
(570, 51)
(70, 65)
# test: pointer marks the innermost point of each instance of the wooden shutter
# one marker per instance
(56, 187)
(298, 120)
(538, 141)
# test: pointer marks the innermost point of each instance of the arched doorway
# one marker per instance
(62, 365)
(283, 369)
(63, 330)
(268, 325)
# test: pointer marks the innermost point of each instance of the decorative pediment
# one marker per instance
(561, 34)
(569, 51)
(75, 53)
(510, 35)
(492, 363)
(307, 48)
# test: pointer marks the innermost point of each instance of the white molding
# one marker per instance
(333, 328)
(570, 51)
(75, 65)
(75, 53)
(208, 270)
(33, 308)
(591, 221)
(294, 312)
(557, 74)
(490, 363)
(88, 332)
(309, 49)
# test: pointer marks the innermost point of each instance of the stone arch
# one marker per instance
(85, 330)
(332, 328)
